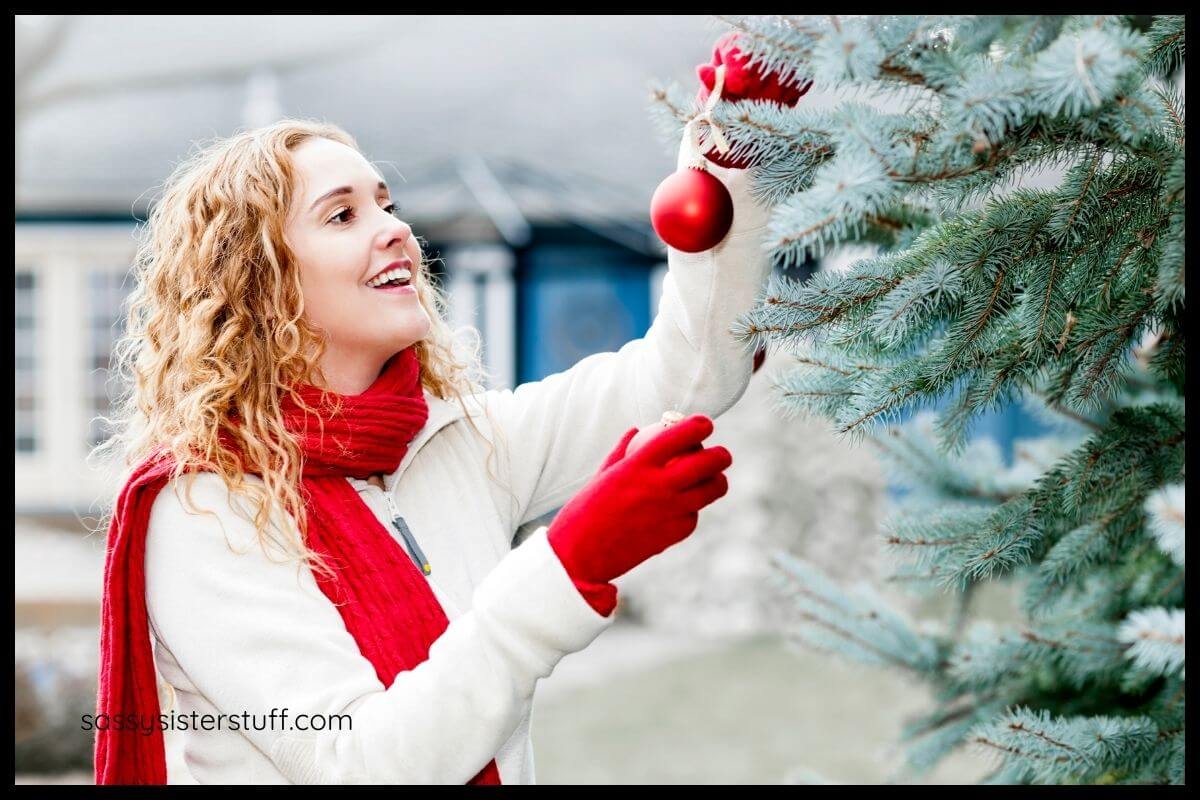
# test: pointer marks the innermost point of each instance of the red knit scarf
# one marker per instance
(385, 602)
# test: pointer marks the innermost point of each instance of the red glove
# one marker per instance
(742, 83)
(602, 597)
(638, 506)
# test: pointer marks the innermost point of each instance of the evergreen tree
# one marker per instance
(1022, 182)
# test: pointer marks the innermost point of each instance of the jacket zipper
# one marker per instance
(410, 541)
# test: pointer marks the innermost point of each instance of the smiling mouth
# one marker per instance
(401, 276)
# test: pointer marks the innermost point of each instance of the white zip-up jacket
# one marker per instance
(239, 633)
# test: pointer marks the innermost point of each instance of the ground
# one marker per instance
(664, 710)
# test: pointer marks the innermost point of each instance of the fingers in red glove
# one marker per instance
(688, 470)
(743, 82)
(704, 493)
(618, 452)
(675, 440)
(632, 510)
(678, 528)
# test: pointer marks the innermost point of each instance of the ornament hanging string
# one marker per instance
(700, 162)
(705, 116)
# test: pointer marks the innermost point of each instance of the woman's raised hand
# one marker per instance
(638, 505)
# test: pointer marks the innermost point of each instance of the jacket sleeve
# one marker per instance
(560, 428)
(254, 633)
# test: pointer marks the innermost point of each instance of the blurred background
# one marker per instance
(521, 149)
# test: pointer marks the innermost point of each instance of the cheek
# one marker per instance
(328, 269)
(329, 286)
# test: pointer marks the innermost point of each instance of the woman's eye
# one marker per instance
(391, 208)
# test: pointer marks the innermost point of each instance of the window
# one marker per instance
(25, 361)
(106, 323)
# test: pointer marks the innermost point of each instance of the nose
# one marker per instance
(398, 233)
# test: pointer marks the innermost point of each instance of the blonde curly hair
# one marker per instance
(215, 329)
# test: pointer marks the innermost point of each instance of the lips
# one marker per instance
(407, 288)
(404, 263)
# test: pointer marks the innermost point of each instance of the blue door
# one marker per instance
(575, 301)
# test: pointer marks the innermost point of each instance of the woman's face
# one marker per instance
(343, 231)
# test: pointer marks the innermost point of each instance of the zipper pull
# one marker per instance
(418, 556)
(414, 549)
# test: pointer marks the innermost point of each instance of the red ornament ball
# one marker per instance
(691, 210)
(647, 433)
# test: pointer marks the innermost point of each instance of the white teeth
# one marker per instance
(403, 274)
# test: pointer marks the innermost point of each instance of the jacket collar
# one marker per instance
(441, 413)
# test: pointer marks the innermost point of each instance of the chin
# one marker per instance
(412, 337)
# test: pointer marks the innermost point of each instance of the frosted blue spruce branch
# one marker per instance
(983, 290)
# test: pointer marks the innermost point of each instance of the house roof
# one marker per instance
(555, 107)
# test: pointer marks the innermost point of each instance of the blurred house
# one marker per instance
(518, 147)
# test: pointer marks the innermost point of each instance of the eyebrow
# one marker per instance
(338, 191)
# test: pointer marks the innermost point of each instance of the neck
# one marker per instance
(349, 372)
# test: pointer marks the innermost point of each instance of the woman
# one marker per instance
(317, 529)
